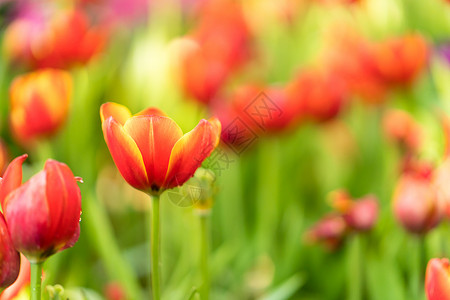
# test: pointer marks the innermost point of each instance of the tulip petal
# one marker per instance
(119, 112)
(64, 203)
(190, 151)
(125, 154)
(155, 137)
(151, 111)
(437, 279)
(12, 178)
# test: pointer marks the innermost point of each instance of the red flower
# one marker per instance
(150, 150)
(330, 230)
(43, 214)
(415, 202)
(401, 60)
(39, 104)
(22, 281)
(9, 257)
(437, 279)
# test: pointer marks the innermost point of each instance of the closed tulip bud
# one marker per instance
(401, 60)
(150, 150)
(43, 214)
(415, 202)
(9, 257)
(330, 231)
(437, 279)
(39, 104)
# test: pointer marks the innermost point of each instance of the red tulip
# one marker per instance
(330, 231)
(415, 202)
(9, 257)
(67, 38)
(359, 215)
(150, 150)
(437, 279)
(39, 104)
(319, 94)
(442, 175)
(43, 214)
(401, 60)
(22, 281)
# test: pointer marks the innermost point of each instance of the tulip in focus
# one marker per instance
(43, 214)
(415, 202)
(39, 104)
(437, 279)
(150, 150)
(9, 257)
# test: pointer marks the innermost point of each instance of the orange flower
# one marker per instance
(400, 127)
(150, 150)
(401, 60)
(39, 104)
(437, 279)
(66, 39)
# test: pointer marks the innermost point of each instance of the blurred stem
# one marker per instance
(35, 280)
(155, 248)
(101, 235)
(204, 255)
(417, 252)
(354, 271)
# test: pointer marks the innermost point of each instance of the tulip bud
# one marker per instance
(437, 279)
(9, 257)
(43, 214)
(330, 231)
(39, 104)
(416, 204)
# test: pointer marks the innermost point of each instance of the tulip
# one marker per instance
(9, 257)
(150, 150)
(39, 104)
(442, 174)
(415, 201)
(4, 157)
(360, 215)
(152, 154)
(65, 39)
(320, 95)
(43, 214)
(437, 279)
(401, 128)
(21, 283)
(401, 60)
(330, 231)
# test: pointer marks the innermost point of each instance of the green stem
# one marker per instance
(354, 272)
(416, 267)
(36, 280)
(155, 248)
(204, 256)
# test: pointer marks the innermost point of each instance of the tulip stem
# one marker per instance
(204, 256)
(155, 248)
(36, 280)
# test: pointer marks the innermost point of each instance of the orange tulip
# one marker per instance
(401, 128)
(401, 60)
(150, 150)
(43, 214)
(66, 39)
(39, 104)
(437, 279)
